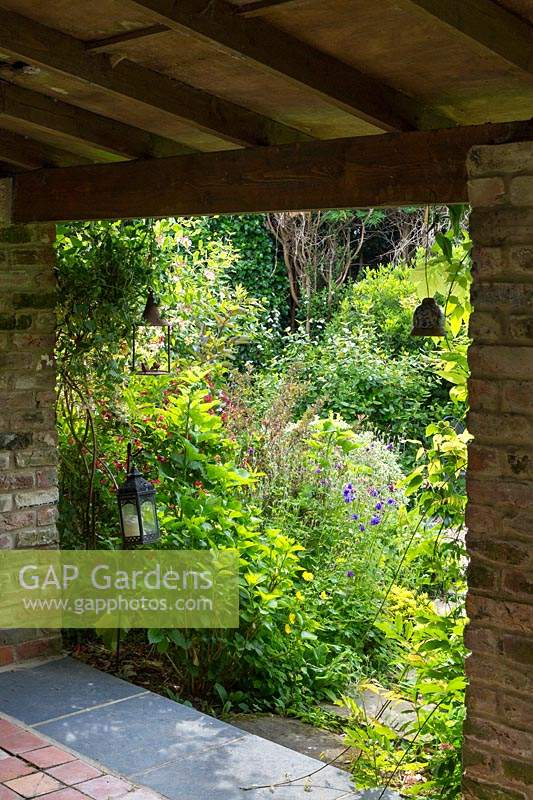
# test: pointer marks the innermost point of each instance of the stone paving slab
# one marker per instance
(154, 744)
(58, 687)
(118, 734)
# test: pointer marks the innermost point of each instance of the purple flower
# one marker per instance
(350, 574)
(375, 520)
(391, 501)
(347, 493)
(373, 492)
(318, 470)
(362, 527)
(378, 506)
(354, 516)
(391, 487)
(390, 447)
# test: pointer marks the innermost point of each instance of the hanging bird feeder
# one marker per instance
(151, 342)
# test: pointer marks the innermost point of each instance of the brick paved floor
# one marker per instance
(32, 768)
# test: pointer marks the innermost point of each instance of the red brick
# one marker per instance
(10, 481)
(517, 397)
(501, 226)
(8, 794)
(66, 794)
(15, 520)
(498, 361)
(512, 297)
(489, 263)
(483, 395)
(519, 584)
(520, 261)
(478, 790)
(498, 613)
(74, 772)
(38, 648)
(501, 737)
(485, 328)
(21, 741)
(7, 656)
(519, 648)
(8, 728)
(13, 767)
(500, 428)
(33, 785)
(50, 756)
(516, 712)
(486, 191)
(499, 492)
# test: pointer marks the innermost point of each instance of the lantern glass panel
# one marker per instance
(148, 516)
(151, 354)
(130, 520)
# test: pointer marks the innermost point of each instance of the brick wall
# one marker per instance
(498, 753)
(28, 475)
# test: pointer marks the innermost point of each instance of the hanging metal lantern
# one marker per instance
(138, 510)
(428, 319)
(151, 342)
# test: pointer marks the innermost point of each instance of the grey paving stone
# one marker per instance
(140, 733)
(227, 772)
(58, 687)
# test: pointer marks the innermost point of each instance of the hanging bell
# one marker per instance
(428, 319)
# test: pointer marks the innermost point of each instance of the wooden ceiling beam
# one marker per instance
(25, 153)
(107, 136)
(486, 24)
(111, 43)
(255, 9)
(280, 53)
(388, 170)
(54, 51)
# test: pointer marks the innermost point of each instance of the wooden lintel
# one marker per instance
(386, 170)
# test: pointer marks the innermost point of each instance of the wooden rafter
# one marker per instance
(25, 153)
(115, 42)
(272, 49)
(487, 24)
(255, 9)
(52, 50)
(110, 137)
(388, 170)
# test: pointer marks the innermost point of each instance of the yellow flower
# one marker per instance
(288, 628)
(292, 618)
(299, 596)
(323, 596)
(308, 576)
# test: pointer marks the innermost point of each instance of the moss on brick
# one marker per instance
(15, 441)
(16, 234)
(15, 322)
(518, 770)
(34, 300)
